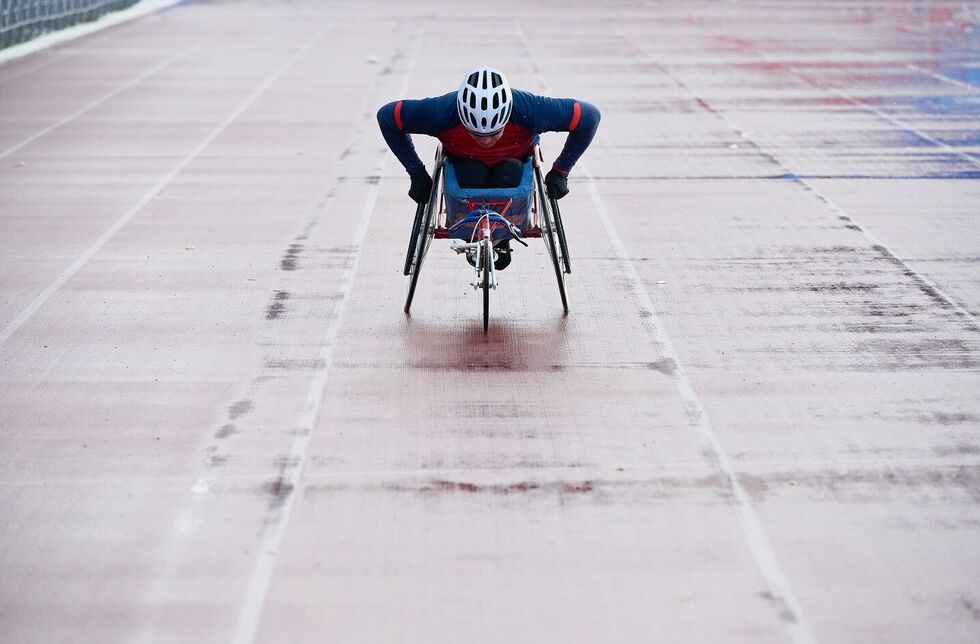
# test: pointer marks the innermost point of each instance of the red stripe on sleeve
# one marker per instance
(398, 115)
(576, 115)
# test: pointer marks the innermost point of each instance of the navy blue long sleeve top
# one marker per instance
(531, 115)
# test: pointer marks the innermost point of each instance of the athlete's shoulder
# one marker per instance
(525, 104)
(444, 103)
(542, 113)
(523, 100)
(427, 115)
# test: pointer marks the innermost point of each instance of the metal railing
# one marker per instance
(22, 20)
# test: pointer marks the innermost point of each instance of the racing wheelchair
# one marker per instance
(477, 219)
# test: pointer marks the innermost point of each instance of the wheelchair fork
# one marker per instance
(481, 246)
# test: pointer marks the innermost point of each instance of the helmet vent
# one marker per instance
(484, 101)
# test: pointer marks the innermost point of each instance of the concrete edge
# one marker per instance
(71, 33)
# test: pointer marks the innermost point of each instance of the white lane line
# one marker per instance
(77, 31)
(253, 603)
(136, 81)
(90, 252)
(762, 550)
(960, 310)
(748, 520)
(921, 280)
(968, 316)
(828, 87)
(945, 79)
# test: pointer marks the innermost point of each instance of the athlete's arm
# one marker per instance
(400, 119)
(579, 118)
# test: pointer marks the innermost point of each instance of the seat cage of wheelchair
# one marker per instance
(509, 209)
(478, 219)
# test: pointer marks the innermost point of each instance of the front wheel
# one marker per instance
(487, 267)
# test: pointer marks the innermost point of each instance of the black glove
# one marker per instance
(557, 184)
(421, 186)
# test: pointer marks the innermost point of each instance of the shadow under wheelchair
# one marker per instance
(526, 345)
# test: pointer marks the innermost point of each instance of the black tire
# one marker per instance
(413, 240)
(423, 236)
(487, 267)
(416, 269)
(562, 242)
(550, 235)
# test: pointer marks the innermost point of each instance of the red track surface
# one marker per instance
(759, 421)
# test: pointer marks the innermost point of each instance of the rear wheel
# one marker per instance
(413, 240)
(422, 234)
(415, 267)
(562, 243)
(550, 234)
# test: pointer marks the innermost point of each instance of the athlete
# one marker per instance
(487, 131)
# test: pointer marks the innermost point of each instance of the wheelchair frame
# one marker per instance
(430, 223)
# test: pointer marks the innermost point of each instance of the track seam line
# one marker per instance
(136, 81)
(759, 544)
(937, 76)
(253, 603)
(97, 245)
(829, 87)
(619, 468)
(917, 278)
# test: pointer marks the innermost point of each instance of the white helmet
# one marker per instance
(484, 101)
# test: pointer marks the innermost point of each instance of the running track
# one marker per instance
(759, 423)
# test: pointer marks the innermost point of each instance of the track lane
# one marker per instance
(573, 502)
